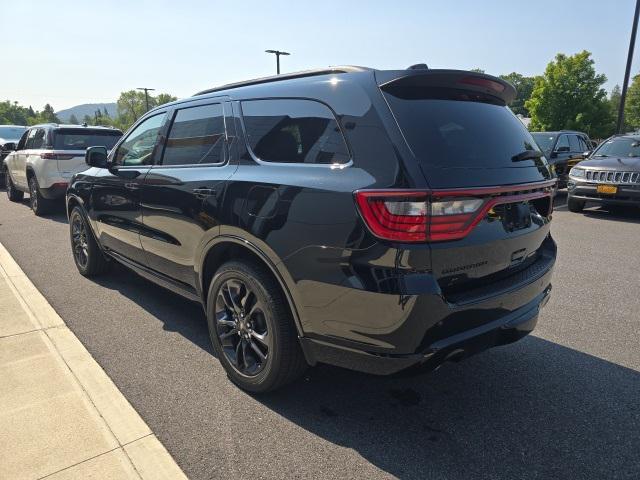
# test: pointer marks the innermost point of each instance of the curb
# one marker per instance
(147, 456)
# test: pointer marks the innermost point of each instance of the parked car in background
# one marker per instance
(610, 176)
(374, 220)
(563, 150)
(46, 157)
(9, 137)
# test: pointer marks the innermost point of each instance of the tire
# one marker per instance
(87, 256)
(245, 300)
(574, 205)
(13, 193)
(38, 203)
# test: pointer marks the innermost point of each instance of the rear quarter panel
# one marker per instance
(305, 218)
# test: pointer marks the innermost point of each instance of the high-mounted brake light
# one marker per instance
(483, 82)
(419, 216)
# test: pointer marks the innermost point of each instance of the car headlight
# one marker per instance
(577, 172)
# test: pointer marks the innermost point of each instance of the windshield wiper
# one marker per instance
(527, 155)
(601, 155)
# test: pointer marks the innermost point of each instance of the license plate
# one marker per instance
(610, 189)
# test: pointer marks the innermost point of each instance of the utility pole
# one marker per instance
(623, 96)
(146, 95)
(277, 54)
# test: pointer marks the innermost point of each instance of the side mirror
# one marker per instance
(554, 155)
(9, 147)
(562, 149)
(96, 157)
(586, 154)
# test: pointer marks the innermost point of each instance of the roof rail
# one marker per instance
(286, 76)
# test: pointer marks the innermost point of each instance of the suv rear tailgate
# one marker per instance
(469, 144)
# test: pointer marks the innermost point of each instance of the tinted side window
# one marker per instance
(31, 138)
(574, 144)
(139, 146)
(584, 146)
(563, 144)
(293, 131)
(22, 144)
(196, 136)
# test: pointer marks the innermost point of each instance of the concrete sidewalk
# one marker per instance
(61, 417)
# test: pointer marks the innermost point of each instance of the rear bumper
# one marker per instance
(502, 331)
(626, 195)
(440, 330)
(55, 191)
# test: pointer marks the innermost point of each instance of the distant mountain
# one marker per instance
(87, 109)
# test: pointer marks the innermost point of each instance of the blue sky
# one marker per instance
(69, 52)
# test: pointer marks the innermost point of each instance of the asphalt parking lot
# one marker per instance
(562, 403)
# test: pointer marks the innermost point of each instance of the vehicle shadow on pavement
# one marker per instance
(57, 213)
(620, 214)
(534, 409)
(175, 312)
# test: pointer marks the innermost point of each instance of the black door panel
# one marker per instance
(115, 197)
(116, 208)
(180, 197)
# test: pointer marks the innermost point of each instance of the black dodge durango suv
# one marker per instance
(375, 220)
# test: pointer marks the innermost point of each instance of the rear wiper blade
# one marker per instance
(527, 155)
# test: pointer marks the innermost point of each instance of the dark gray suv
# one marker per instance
(610, 176)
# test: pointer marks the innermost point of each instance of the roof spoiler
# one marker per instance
(460, 79)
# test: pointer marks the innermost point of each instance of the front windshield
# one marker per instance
(619, 147)
(544, 140)
(11, 133)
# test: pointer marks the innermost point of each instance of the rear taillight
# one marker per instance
(419, 216)
(56, 156)
(391, 215)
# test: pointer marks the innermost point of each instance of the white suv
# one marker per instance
(46, 158)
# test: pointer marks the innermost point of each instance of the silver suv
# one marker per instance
(46, 158)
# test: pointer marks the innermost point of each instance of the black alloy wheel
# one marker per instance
(87, 254)
(242, 327)
(39, 204)
(252, 328)
(79, 241)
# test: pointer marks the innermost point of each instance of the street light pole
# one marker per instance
(277, 54)
(146, 94)
(623, 96)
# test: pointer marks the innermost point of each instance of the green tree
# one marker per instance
(48, 115)
(632, 104)
(615, 97)
(570, 95)
(477, 70)
(13, 114)
(131, 105)
(74, 120)
(524, 87)
(164, 98)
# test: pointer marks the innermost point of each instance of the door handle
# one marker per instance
(204, 192)
(131, 186)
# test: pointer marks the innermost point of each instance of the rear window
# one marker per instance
(11, 133)
(449, 128)
(81, 139)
